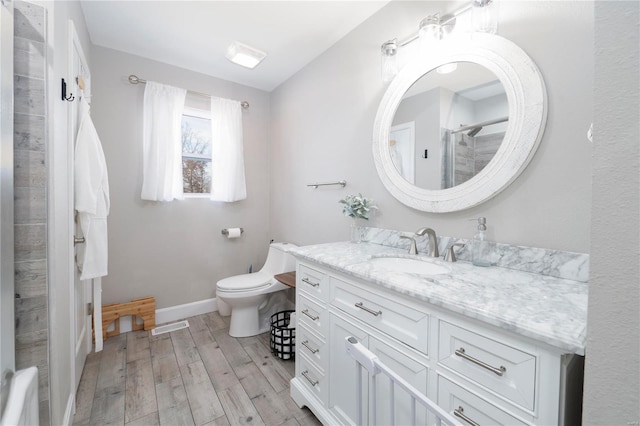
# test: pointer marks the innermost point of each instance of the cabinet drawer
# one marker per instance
(471, 409)
(400, 321)
(503, 369)
(312, 346)
(313, 282)
(312, 378)
(312, 315)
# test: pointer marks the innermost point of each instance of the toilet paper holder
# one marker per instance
(225, 231)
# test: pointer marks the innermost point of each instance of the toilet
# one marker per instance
(251, 299)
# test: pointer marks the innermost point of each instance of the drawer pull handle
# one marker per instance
(306, 280)
(499, 371)
(306, 312)
(306, 345)
(371, 311)
(305, 373)
(459, 412)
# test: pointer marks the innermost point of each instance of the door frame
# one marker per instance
(75, 48)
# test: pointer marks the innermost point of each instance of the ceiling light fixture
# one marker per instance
(447, 68)
(244, 55)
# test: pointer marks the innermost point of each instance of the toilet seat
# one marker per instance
(239, 283)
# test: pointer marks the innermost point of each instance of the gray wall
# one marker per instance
(174, 251)
(323, 121)
(612, 372)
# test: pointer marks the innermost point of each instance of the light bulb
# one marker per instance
(430, 31)
(484, 16)
(447, 68)
(389, 60)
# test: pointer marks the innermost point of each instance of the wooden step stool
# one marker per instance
(144, 308)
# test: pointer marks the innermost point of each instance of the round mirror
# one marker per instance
(448, 126)
(456, 126)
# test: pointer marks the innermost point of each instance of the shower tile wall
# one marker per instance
(486, 148)
(30, 208)
(473, 153)
(464, 158)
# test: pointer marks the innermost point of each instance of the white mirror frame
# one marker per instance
(527, 98)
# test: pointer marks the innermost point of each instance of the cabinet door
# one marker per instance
(410, 370)
(343, 373)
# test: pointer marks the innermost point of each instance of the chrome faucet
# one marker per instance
(450, 254)
(433, 241)
(412, 248)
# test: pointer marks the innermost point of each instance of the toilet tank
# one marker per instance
(278, 260)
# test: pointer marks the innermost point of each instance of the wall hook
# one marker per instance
(64, 96)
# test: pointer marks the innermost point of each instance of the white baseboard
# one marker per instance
(174, 313)
(178, 312)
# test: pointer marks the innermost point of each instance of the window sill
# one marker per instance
(196, 195)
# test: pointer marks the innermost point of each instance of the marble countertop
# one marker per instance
(548, 309)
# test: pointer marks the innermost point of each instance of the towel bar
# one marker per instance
(342, 183)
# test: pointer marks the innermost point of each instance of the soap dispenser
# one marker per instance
(481, 247)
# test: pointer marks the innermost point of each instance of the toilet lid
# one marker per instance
(245, 282)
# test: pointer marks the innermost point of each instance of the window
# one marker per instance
(196, 151)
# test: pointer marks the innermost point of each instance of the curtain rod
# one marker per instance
(134, 79)
(484, 123)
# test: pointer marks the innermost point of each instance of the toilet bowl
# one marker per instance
(251, 299)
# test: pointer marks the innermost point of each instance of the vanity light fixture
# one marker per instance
(246, 56)
(484, 16)
(389, 60)
(434, 28)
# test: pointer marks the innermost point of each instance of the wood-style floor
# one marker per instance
(194, 376)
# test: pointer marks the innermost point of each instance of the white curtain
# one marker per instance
(162, 142)
(227, 175)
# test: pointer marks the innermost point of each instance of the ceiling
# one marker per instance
(195, 34)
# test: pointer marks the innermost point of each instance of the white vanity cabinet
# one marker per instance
(476, 371)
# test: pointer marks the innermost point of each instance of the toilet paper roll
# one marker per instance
(234, 233)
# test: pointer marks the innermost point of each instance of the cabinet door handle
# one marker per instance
(459, 412)
(499, 371)
(306, 280)
(306, 345)
(305, 373)
(306, 312)
(364, 308)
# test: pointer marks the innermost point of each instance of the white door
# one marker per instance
(402, 146)
(82, 289)
(7, 345)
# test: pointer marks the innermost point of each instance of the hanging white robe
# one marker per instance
(91, 197)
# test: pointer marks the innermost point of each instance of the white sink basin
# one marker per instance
(412, 266)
